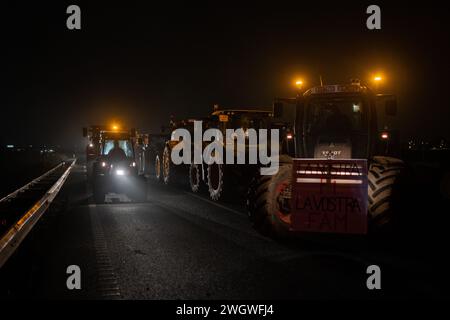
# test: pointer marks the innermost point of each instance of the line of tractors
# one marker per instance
(329, 122)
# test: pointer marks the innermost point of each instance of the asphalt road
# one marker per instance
(177, 245)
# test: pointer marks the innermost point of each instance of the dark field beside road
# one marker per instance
(20, 167)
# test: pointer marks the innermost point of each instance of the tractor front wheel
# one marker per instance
(383, 188)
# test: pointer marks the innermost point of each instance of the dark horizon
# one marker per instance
(141, 64)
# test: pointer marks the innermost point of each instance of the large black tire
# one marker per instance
(167, 166)
(383, 190)
(158, 168)
(195, 177)
(150, 157)
(216, 177)
(268, 202)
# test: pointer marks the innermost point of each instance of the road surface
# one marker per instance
(177, 245)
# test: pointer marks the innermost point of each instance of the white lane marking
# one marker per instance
(216, 204)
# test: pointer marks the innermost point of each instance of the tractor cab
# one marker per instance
(116, 151)
(123, 141)
(338, 122)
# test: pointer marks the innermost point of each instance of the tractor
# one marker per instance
(148, 153)
(223, 180)
(342, 143)
(166, 171)
(219, 180)
(115, 168)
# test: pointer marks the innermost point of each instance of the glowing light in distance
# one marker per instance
(377, 78)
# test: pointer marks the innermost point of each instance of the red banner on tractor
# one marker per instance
(329, 196)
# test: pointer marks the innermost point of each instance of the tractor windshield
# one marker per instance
(125, 145)
(336, 128)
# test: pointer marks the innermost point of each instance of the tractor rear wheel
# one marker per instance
(195, 177)
(216, 181)
(383, 184)
(149, 166)
(268, 202)
(158, 168)
(167, 171)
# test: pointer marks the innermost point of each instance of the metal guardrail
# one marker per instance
(11, 239)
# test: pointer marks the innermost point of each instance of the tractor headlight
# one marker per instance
(103, 164)
(120, 172)
(133, 164)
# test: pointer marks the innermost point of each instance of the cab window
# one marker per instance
(125, 145)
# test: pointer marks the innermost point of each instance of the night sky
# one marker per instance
(141, 62)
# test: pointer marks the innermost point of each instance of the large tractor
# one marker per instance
(167, 171)
(149, 148)
(115, 169)
(219, 180)
(224, 180)
(333, 128)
